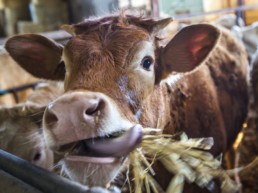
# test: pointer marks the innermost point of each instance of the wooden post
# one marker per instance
(15, 11)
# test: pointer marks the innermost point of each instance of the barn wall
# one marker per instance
(251, 15)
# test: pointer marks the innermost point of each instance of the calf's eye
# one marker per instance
(147, 62)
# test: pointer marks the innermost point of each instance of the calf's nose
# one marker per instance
(93, 108)
(87, 109)
(74, 113)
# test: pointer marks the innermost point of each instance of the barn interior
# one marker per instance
(238, 166)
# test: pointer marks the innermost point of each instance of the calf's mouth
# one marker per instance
(104, 150)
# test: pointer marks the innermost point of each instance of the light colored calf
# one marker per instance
(21, 134)
(21, 126)
(12, 75)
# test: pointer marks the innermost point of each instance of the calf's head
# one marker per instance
(110, 67)
(21, 134)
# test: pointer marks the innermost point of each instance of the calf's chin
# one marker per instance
(92, 174)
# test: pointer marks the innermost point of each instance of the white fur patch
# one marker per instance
(172, 79)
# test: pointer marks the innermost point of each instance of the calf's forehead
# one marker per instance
(115, 44)
(98, 57)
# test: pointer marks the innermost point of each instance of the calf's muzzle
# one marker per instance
(74, 116)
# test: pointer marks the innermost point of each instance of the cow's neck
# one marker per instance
(157, 108)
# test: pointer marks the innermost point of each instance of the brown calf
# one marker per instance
(117, 76)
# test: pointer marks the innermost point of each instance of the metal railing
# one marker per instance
(215, 12)
(21, 175)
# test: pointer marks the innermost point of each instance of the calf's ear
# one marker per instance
(187, 49)
(38, 55)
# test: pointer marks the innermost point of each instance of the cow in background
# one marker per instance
(12, 75)
(249, 37)
(247, 148)
(118, 78)
(21, 134)
(228, 21)
(45, 93)
(247, 34)
(21, 126)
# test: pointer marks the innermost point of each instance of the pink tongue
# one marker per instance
(99, 160)
(117, 147)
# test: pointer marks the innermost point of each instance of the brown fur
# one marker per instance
(246, 153)
(216, 81)
(213, 96)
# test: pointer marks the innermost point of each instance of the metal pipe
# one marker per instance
(240, 13)
(37, 177)
(221, 11)
(10, 184)
(19, 88)
(14, 90)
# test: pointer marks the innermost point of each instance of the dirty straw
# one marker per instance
(187, 159)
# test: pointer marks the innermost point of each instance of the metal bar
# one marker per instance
(240, 13)
(15, 96)
(221, 11)
(19, 88)
(10, 184)
(58, 35)
(37, 177)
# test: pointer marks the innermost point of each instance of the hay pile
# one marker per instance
(187, 159)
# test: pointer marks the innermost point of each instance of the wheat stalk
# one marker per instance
(188, 159)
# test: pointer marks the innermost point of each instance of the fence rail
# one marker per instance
(216, 12)
(30, 176)
(58, 36)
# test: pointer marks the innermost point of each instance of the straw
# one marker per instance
(187, 159)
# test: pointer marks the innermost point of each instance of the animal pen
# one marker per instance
(18, 175)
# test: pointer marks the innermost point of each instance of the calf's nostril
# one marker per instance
(50, 117)
(91, 111)
(94, 108)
